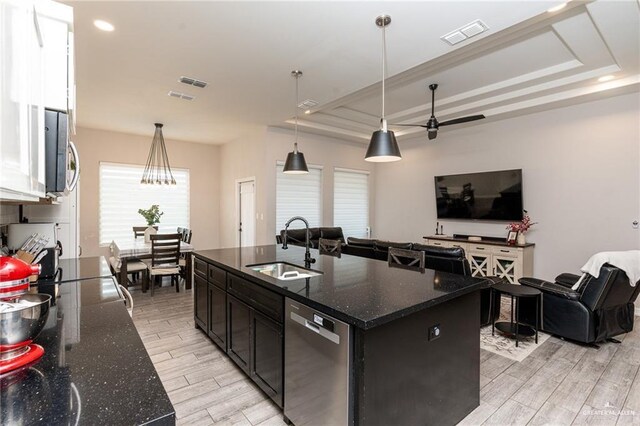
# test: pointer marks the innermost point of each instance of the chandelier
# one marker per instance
(158, 171)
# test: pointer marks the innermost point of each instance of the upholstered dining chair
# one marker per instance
(330, 247)
(134, 267)
(165, 258)
(406, 259)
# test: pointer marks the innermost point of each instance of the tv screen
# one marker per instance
(482, 196)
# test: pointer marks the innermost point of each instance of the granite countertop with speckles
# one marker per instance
(363, 292)
(95, 369)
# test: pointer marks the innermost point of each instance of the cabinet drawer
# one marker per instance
(505, 251)
(480, 248)
(436, 243)
(265, 301)
(200, 267)
(217, 276)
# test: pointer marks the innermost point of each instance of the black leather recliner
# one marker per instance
(599, 309)
(454, 260)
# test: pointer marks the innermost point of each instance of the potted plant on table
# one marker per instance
(521, 227)
(152, 216)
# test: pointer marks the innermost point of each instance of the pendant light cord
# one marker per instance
(384, 63)
(296, 115)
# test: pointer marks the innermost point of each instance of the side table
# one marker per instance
(513, 327)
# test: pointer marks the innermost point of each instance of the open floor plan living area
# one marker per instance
(319, 213)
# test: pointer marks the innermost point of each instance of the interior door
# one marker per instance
(247, 213)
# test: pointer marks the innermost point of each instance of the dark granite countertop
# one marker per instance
(363, 292)
(95, 369)
(79, 269)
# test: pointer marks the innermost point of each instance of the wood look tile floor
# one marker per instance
(560, 383)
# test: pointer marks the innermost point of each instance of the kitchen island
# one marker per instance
(413, 354)
(95, 369)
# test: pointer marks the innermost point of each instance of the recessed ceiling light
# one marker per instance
(103, 25)
(557, 8)
(606, 78)
(308, 111)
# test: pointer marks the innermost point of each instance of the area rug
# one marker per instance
(506, 346)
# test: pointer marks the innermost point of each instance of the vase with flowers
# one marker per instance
(521, 227)
(152, 216)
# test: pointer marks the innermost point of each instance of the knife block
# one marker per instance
(27, 258)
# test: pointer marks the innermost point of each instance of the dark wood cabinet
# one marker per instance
(266, 356)
(200, 305)
(245, 320)
(239, 333)
(217, 315)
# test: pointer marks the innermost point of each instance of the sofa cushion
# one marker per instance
(383, 246)
(334, 233)
(452, 252)
(360, 242)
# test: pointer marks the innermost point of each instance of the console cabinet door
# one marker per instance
(267, 357)
(218, 316)
(201, 301)
(239, 333)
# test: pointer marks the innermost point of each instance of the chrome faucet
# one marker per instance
(307, 254)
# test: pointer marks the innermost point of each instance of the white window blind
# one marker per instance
(298, 195)
(351, 202)
(121, 195)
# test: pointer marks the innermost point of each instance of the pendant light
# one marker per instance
(383, 146)
(157, 169)
(295, 164)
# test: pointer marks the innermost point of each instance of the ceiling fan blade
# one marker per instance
(462, 120)
(409, 125)
(432, 135)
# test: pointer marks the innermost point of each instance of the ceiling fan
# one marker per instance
(433, 125)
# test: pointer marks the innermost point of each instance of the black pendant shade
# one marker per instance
(383, 147)
(295, 163)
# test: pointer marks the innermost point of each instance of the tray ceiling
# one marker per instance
(528, 60)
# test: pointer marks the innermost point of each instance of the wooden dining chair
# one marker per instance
(186, 237)
(165, 257)
(138, 231)
(406, 259)
(330, 247)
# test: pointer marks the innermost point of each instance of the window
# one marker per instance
(121, 195)
(351, 202)
(298, 195)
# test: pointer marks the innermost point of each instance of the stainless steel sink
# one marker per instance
(284, 271)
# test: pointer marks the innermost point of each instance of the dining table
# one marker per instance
(125, 250)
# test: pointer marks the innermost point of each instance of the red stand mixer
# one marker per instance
(22, 315)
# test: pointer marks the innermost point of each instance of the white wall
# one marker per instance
(256, 157)
(581, 176)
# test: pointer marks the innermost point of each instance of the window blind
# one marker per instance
(121, 195)
(351, 202)
(298, 195)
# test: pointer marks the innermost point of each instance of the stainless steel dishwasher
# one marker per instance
(316, 367)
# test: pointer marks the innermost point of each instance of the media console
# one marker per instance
(491, 256)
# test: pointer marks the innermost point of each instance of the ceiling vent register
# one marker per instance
(465, 32)
(193, 82)
(181, 95)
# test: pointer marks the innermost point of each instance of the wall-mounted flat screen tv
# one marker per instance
(480, 196)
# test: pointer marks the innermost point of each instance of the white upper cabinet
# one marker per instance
(30, 45)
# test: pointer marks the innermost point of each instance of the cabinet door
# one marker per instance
(267, 358)
(218, 316)
(200, 302)
(239, 333)
(480, 263)
(506, 267)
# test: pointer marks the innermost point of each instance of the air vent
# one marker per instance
(181, 95)
(307, 104)
(465, 32)
(193, 82)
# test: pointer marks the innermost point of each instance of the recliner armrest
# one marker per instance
(567, 280)
(551, 288)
